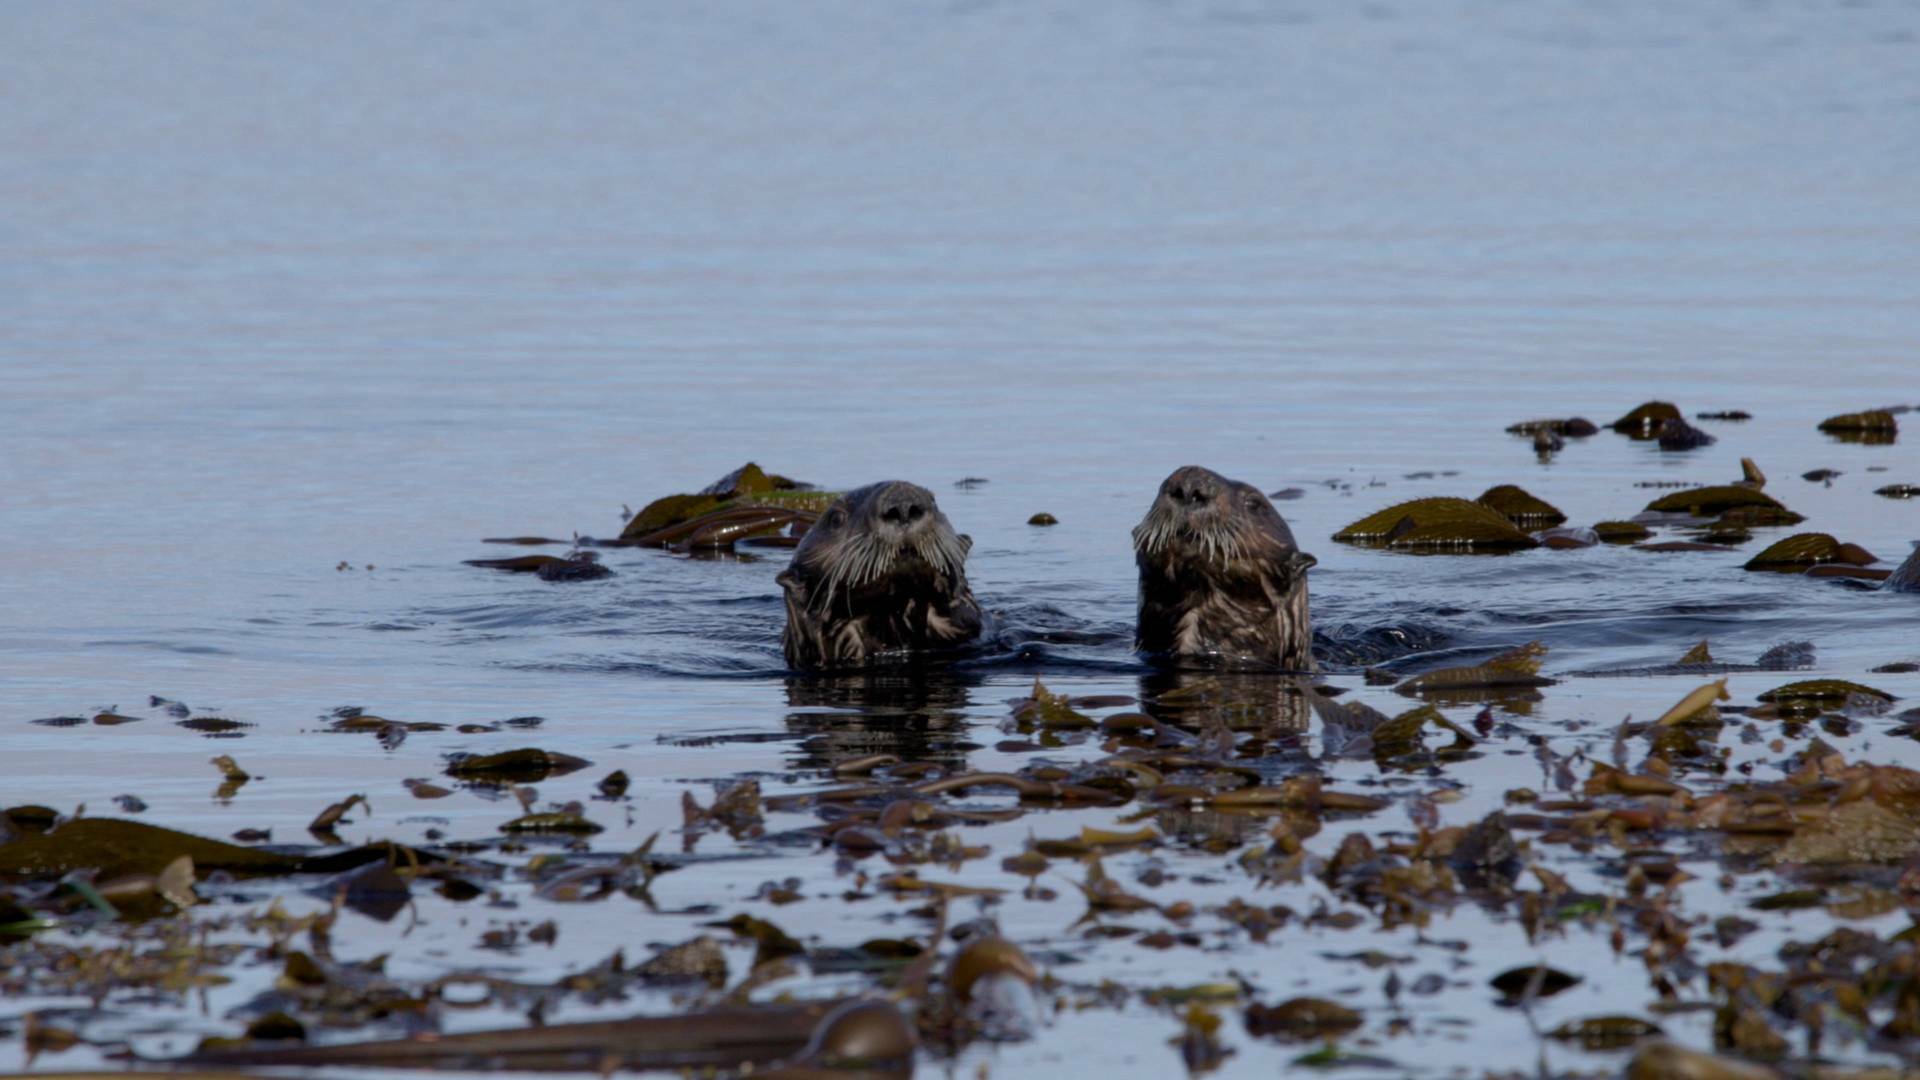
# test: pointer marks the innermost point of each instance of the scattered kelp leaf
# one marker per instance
(524, 541)
(523, 766)
(571, 822)
(1301, 1019)
(1605, 1032)
(1520, 506)
(1644, 422)
(1198, 1042)
(1514, 668)
(1697, 701)
(1714, 501)
(1801, 550)
(1621, 532)
(114, 719)
(1533, 981)
(1724, 414)
(771, 942)
(577, 566)
(614, 784)
(1438, 524)
(423, 789)
(230, 769)
(1670, 1061)
(59, 721)
(329, 817)
(736, 808)
(699, 960)
(1049, 711)
(1699, 654)
(864, 1037)
(174, 883)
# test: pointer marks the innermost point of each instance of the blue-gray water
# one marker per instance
(285, 286)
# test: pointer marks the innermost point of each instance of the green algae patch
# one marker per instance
(1520, 506)
(1801, 550)
(1437, 524)
(1714, 501)
(1621, 532)
(1645, 422)
(749, 485)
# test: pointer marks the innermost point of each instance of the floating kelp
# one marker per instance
(1043, 519)
(1644, 422)
(578, 566)
(1724, 414)
(1520, 507)
(524, 766)
(1873, 426)
(726, 1037)
(1534, 981)
(1572, 427)
(1301, 1019)
(115, 847)
(745, 486)
(1801, 550)
(1437, 524)
(1898, 491)
(1621, 532)
(1750, 474)
(1514, 668)
(1606, 1032)
(1715, 501)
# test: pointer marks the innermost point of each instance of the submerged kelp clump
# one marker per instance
(1438, 524)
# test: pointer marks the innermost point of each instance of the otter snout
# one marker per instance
(903, 505)
(1193, 488)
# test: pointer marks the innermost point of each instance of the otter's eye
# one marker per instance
(836, 518)
(1254, 502)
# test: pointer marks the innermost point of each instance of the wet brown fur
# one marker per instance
(880, 576)
(1222, 582)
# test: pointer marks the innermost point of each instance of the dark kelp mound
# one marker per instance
(1574, 427)
(1521, 507)
(1725, 500)
(1439, 524)
(1801, 550)
(1873, 426)
(747, 486)
(1645, 421)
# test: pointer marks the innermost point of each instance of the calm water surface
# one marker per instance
(284, 287)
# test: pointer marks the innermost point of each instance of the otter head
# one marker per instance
(1221, 579)
(880, 572)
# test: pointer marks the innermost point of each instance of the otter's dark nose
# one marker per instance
(903, 504)
(1193, 487)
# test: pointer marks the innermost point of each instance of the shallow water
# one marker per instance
(290, 288)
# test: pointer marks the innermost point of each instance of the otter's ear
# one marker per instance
(966, 545)
(791, 583)
(1299, 562)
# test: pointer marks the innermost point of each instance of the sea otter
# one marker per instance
(1222, 582)
(881, 575)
